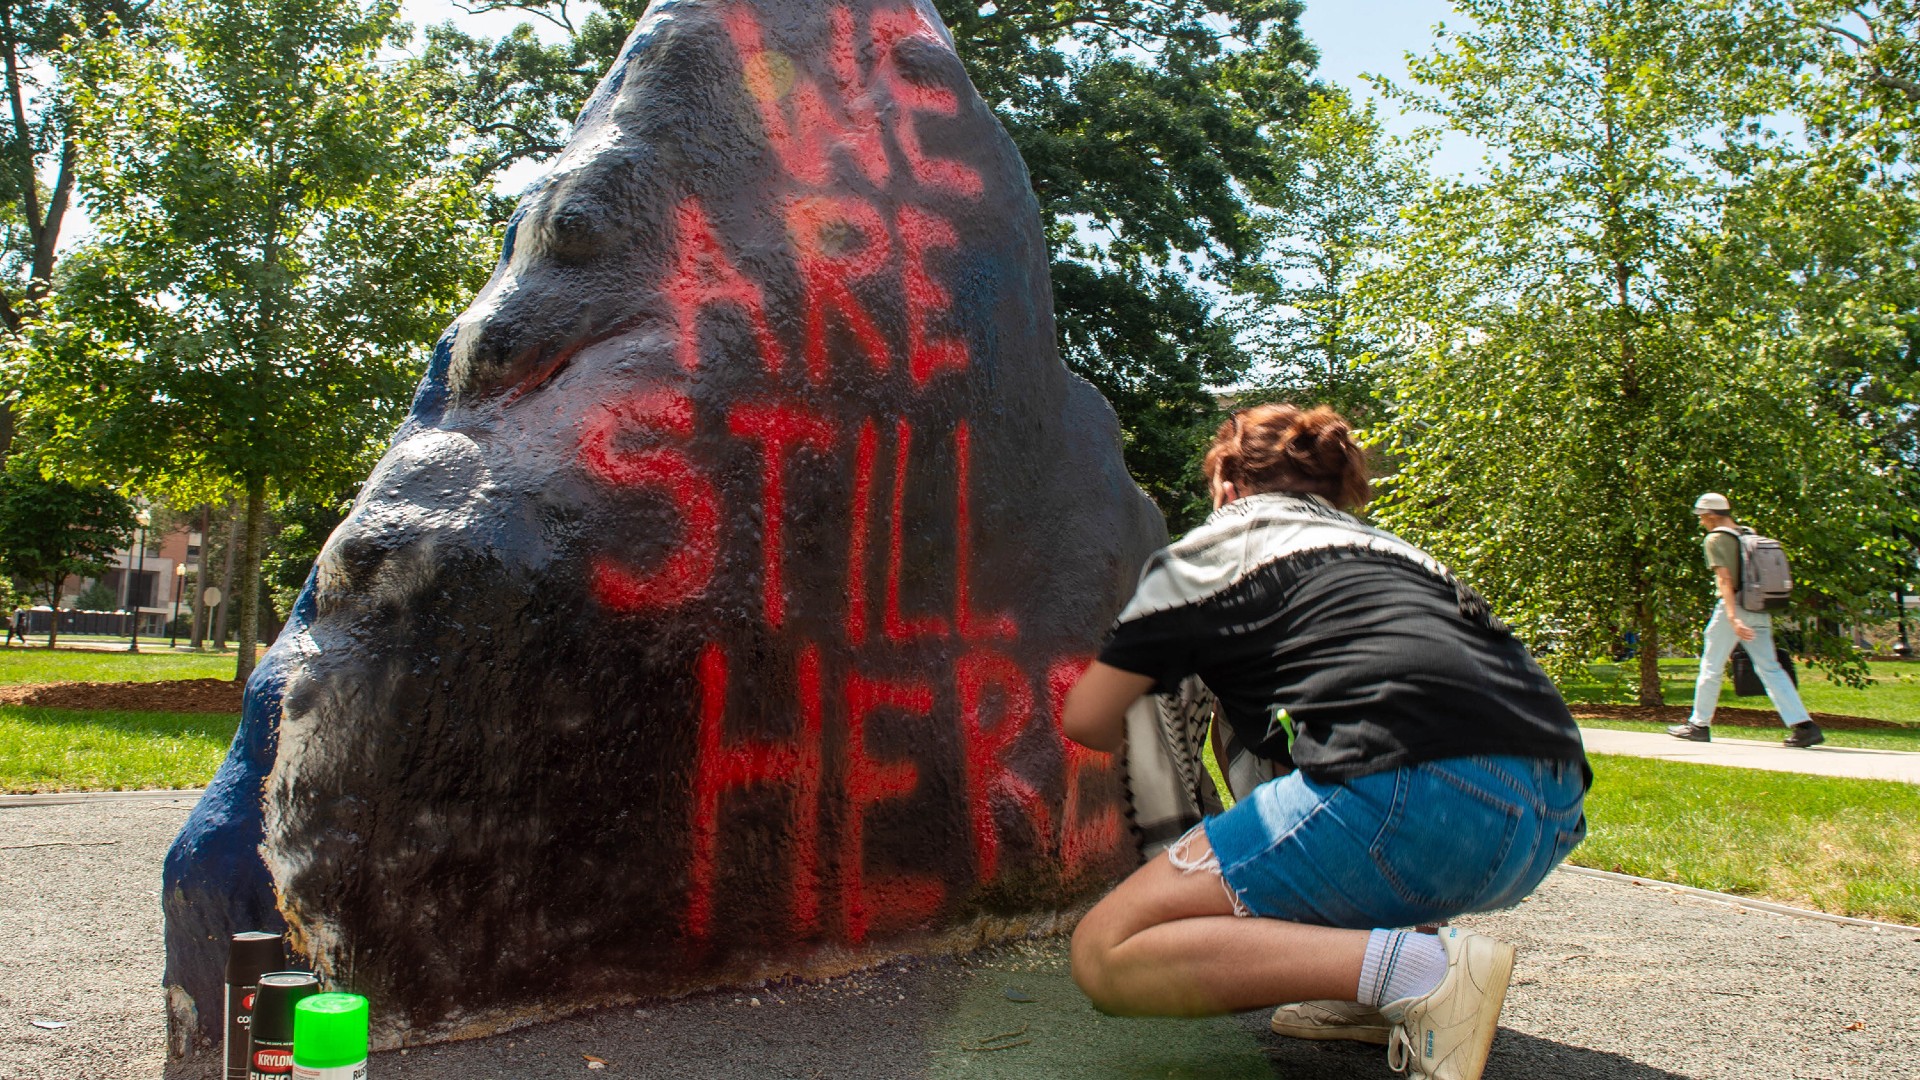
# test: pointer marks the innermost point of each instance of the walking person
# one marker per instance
(1436, 769)
(1730, 625)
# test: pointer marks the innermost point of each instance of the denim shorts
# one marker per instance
(1403, 847)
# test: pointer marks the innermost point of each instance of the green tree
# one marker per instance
(1325, 229)
(1867, 49)
(1144, 125)
(518, 95)
(1830, 226)
(303, 523)
(280, 233)
(50, 529)
(1576, 374)
(1823, 249)
(99, 596)
(39, 145)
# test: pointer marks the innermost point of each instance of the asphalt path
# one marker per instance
(1615, 982)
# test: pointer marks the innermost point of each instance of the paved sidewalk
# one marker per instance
(1616, 982)
(1842, 761)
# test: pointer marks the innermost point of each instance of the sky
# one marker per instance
(1355, 37)
(1373, 37)
(426, 12)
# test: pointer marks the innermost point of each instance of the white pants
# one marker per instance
(1718, 647)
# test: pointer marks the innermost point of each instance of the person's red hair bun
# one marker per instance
(1286, 448)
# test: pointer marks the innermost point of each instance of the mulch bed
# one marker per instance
(1755, 718)
(172, 695)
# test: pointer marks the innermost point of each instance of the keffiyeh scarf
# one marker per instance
(1167, 779)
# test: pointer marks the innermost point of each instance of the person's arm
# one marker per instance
(1723, 578)
(1095, 714)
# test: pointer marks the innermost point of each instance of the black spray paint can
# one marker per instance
(270, 1046)
(249, 956)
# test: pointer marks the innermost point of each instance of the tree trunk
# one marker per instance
(53, 601)
(250, 577)
(200, 579)
(226, 579)
(271, 619)
(1649, 658)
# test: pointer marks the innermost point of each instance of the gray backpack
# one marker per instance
(1766, 580)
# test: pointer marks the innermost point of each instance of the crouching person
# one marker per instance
(1437, 771)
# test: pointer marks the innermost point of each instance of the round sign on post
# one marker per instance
(211, 597)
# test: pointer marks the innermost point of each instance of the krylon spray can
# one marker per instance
(249, 956)
(330, 1038)
(270, 1050)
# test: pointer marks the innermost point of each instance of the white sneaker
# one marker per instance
(1347, 1020)
(1445, 1035)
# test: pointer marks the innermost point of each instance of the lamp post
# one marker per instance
(1901, 648)
(173, 628)
(144, 519)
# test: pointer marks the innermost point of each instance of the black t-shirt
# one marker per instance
(1351, 662)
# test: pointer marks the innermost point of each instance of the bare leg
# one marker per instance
(1167, 943)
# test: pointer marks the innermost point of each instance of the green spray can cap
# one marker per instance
(330, 1030)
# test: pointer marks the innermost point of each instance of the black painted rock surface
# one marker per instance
(709, 616)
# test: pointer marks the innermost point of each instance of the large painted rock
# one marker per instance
(710, 615)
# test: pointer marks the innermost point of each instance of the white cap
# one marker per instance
(1712, 503)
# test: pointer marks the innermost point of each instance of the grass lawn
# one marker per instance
(85, 665)
(1849, 847)
(1893, 695)
(1845, 846)
(75, 750)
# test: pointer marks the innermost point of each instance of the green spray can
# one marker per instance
(330, 1038)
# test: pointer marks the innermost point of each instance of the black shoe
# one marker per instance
(1804, 735)
(1691, 732)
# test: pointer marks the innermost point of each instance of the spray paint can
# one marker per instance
(270, 1049)
(249, 956)
(330, 1038)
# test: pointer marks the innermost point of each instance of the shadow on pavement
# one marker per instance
(1516, 1056)
(1010, 1013)
(1006, 1012)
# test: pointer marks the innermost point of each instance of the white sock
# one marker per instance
(1400, 964)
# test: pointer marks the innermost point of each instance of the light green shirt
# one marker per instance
(1723, 549)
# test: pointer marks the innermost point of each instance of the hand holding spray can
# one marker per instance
(330, 1038)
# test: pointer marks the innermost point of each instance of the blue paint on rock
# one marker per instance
(471, 772)
(214, 883)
